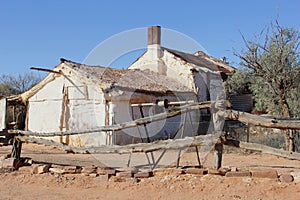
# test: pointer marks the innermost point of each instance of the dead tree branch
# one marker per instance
(264, 149)
(256, 120)
(202, 140)
(116, 127)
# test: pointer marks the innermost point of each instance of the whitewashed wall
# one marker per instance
(82, 110)
(86, 114)
(174, 68)
(199, 82)
(45, 108)
(2, 114)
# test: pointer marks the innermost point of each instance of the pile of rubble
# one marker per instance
(129, 173)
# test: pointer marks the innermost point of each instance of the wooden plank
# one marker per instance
(218, 153)
(45, 70)
(256, 120)
(263, 148)
(202, 140)
(116, 127)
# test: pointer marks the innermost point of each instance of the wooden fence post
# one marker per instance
(16, 149)
(218, 119)
(218, 151)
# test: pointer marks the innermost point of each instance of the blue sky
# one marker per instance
(38, 33)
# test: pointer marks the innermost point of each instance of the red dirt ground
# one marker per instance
(24, 185)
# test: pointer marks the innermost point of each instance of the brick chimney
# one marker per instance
(154, 38)
(154, 35)
(153, 59)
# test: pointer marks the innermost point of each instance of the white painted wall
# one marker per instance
(166, 65)
(2, 114)
(45, 108)
(86, 115)
(52, 91)
(199, 82)
(84, 110)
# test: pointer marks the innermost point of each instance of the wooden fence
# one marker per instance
(216, 139)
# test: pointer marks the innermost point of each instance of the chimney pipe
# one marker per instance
(154, 50)
(154, 35)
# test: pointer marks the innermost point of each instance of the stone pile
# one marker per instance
(129, 173)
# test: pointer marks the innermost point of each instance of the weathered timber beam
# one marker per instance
(256, 120)
(202, 140)
(45, 70)
(116, 127)
(263, 148)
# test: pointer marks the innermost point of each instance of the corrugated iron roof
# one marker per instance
(143, 80)
(203, 60)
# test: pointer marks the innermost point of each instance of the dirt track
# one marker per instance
(17, 185)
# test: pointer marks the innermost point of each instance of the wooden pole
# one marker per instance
(263, 148)
(148, 140)
(174, 144)
(198, 157)
(16, 150)
(181, 135)
(218, 118)
(116, 127)
(218, 151)
(256, 120)
(248, 134)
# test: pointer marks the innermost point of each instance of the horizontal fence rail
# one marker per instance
(219, 113)
(116, 127)
(174, 144)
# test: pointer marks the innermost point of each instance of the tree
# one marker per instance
(238, 83)
(272, 59)
(11, 85)
(5, 90)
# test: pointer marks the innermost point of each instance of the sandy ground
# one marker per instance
(24, 185)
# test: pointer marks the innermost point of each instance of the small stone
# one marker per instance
(272, 174)
(55, 170)
(197, 171)
(286, 178)
(223, 170)
(102, 178)
(124, 174)
(93, 175)
(25, 169)
(296, 176)
(57, 166)
(234, 169)
(143, 174)
(42, 169)
(34, 168)
(88, 170)
(10, 163)
(238, 174)
(128, 169)
(71, 169)
(214, 172)
(105, 171)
